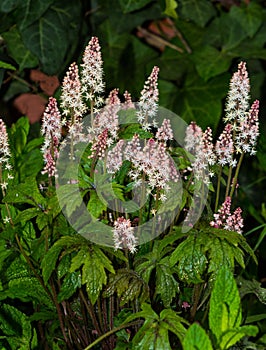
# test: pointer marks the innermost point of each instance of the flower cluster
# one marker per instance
(71, 98)
(148, 103)
(123, 234)
(225, 147)
(92, 73)
(51, 129)
(224, 219)
(165, 132)
(238, 97)
(153, 162)
(5, 166)
(200, 144)
(248, 131)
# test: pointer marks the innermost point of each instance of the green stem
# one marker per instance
(218, 190)
(228, 182)
(112, 331)
(236, 175)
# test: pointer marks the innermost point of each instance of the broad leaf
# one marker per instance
(17, 49)
(132, 5)
(225, 309)
(199, 11)
(232, 336)
(16, 326)
(201, 101)
(210, 62)
(154, 332)
(71, 282)
(61, 22)
(190, 259)
(249, 17)
(247, 287)
(128, 285)
(196, 338)
(166, 285)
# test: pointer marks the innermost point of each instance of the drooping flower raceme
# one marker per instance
(51, 129)
(148, 103)
(224, 219)
(5, 166)
(123, 235)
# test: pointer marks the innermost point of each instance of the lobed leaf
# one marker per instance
(199, 11)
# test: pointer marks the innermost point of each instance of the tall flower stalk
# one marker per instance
(51, 129)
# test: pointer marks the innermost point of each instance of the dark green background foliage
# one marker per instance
(46, 267)
(51, 34)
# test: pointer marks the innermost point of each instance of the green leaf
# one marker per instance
(69, 197)
(133, 129)
(210, 62)
(174, 323)
(220, 253)
(133, 5)
(190, 259)
(170, 8)
(61, 21)
(232, 336)
(154, 332)
(94, 276)
(128, 285)
(249, 17)
(199, 11)
(19, 132)
(17, 49)
(232, 33)
(8, 5)
(152, 337)
(30, 11)
(50, 259)
(96, 206)
(27, 215)
(6, 65)
(201, 101)
(254, 287)
(27, 289)
(225, 309)
(26, 192)
(71, 282)
(16, 326)
(164, 277)
(196, 338)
